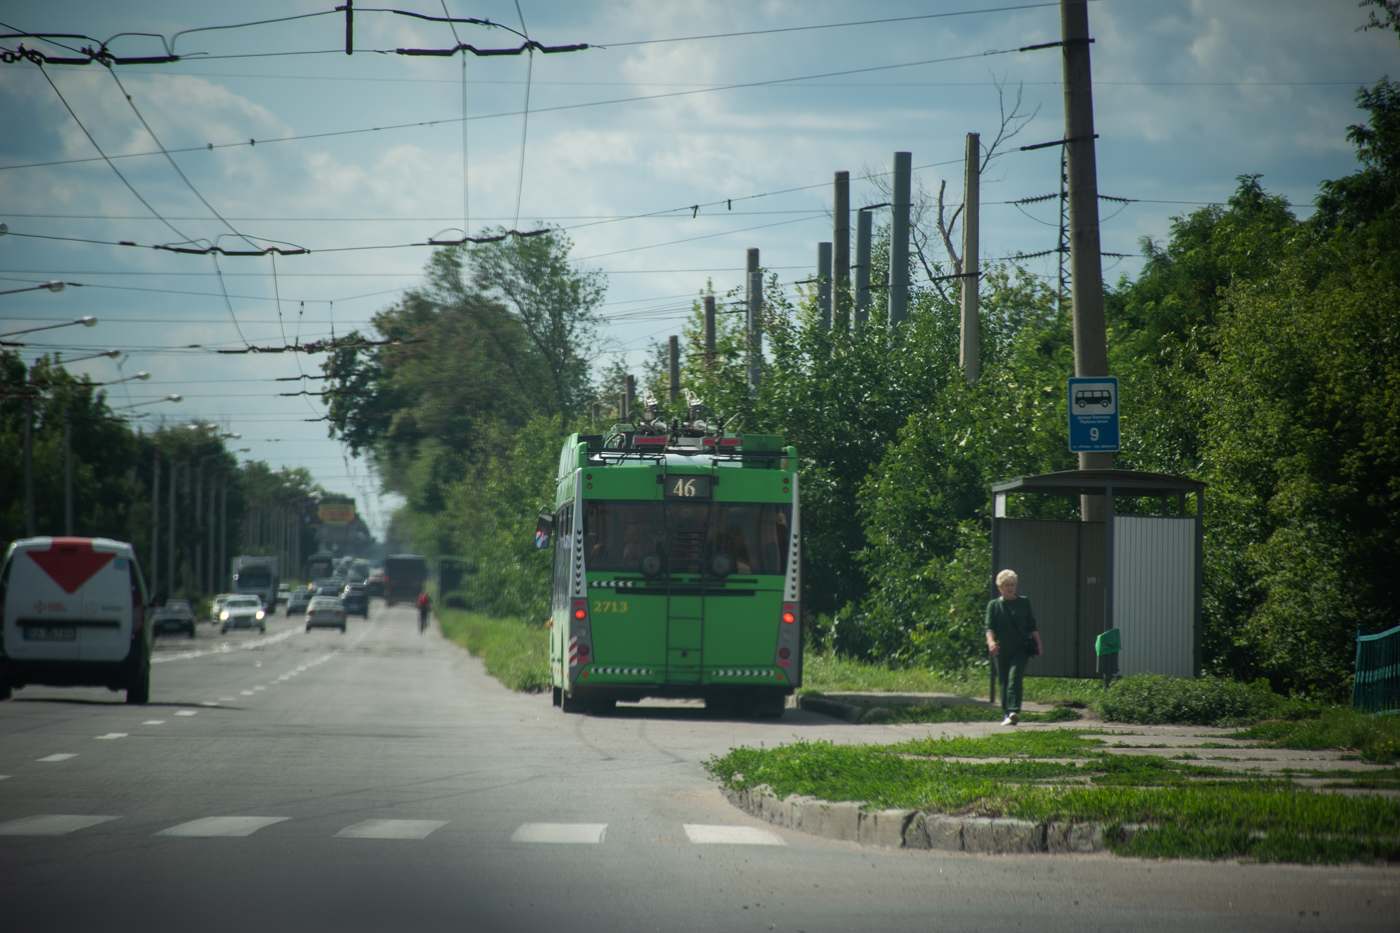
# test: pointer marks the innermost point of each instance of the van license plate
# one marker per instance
(50, 633)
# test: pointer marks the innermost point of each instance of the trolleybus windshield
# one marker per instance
(619, 534)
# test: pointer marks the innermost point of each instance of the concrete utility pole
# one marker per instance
(29, 520)
(862, 267)
(630, 397)
(710, 331)
(223, 531)
(841, 252)
(155, 523)
(673, 390)
(824, 284)
(68, 469)
(198, 520)
(1086, 265)
(170, 516)
(211, 573)
(754, 323)
(970, 333)
(899, 240)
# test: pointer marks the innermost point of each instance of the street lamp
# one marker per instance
(51, 286)
(113, 354)
(168, 398)
(87, 320)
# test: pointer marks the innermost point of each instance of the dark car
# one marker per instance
(374, 585)
(355, 600)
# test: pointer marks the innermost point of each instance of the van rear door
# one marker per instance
(41, 612)
(104, 632)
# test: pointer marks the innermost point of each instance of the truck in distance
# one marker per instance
(256, 576)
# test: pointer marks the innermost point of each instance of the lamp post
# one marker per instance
(87, 320)
(51, 286)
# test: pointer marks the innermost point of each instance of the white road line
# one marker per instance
(708, 834)
(60, 757)
(391, 829)
(186, 712)
(154, 722)
(208, 703)
(259, 687)
(112, 735)
(246, 693)
(211, 826)
(224, 649)
(565, 833)
(51, 825)
(4, 777)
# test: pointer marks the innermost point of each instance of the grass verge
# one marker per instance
(516, 654)
(1375, 739)
(1196, 810)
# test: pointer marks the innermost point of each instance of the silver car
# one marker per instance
(325, 611)
(298, 601)
(242, 612)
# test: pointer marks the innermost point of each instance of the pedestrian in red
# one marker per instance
(425, 606)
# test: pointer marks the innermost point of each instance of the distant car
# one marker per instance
(218, 605)
(374, 585)
(175, 616)
(325, 611)
(355, 600)
(298, 601)
(242, 612)
(330, 589)
(284, 592)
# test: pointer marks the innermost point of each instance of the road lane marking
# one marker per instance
(246, 693)
(709, 834)
(154, 722)
(224, 649)
(59, 757)
(564, 833)
(208, 703)
(56, 824)
(391, 829)
(212, 826)
(112, 735)
(259, 687)
(185, 712)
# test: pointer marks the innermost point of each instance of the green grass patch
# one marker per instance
(1198, 810)
(1207, 701)
(516, 654)
(825, 673)
(1375, 739)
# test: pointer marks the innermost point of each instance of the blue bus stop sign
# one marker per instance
(1093, 413)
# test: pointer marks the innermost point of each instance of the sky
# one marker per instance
(662, 160)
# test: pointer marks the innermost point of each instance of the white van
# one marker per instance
(74, 614)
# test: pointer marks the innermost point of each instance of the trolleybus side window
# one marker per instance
(563, 553)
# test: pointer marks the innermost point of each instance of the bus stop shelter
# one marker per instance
(1139, 573)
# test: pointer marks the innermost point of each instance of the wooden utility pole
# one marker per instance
(824, 284)
(968, 342)
(898, 301)
(841, 252)
(1086, 269)
(862, 267)
(710, 331)
(673, 390)
(755, 322)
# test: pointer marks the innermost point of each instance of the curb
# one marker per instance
(916, 829)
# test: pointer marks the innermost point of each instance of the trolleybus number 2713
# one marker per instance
(603, 605)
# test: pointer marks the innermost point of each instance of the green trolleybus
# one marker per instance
(676, 568)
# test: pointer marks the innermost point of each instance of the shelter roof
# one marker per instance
(1098, 482)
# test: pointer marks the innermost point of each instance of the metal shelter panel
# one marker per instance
(1060, 568)
(1154, 594)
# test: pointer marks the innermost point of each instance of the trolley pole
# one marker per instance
(841, 252)
(898, 301)
(862, 308)
(824, 284)
(968, 351)
(1086, 265)
(155, 523)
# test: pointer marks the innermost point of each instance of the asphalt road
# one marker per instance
(379, 780)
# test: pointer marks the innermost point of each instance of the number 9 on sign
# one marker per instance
(1093, 434)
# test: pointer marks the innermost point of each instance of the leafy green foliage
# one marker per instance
(1215, 701)
(514, 653)
(1375, 738)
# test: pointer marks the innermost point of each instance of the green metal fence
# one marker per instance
(1376, 686)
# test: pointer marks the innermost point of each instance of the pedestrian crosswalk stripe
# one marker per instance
(222, 826)
(391, 829)
(565, 833)
(707, 834)
(55, 824)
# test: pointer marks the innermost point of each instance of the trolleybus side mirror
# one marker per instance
(544, 530)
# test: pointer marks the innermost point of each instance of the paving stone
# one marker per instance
(884, 828)
(832, 820)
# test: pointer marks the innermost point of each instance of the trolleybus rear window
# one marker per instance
(619, 534)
